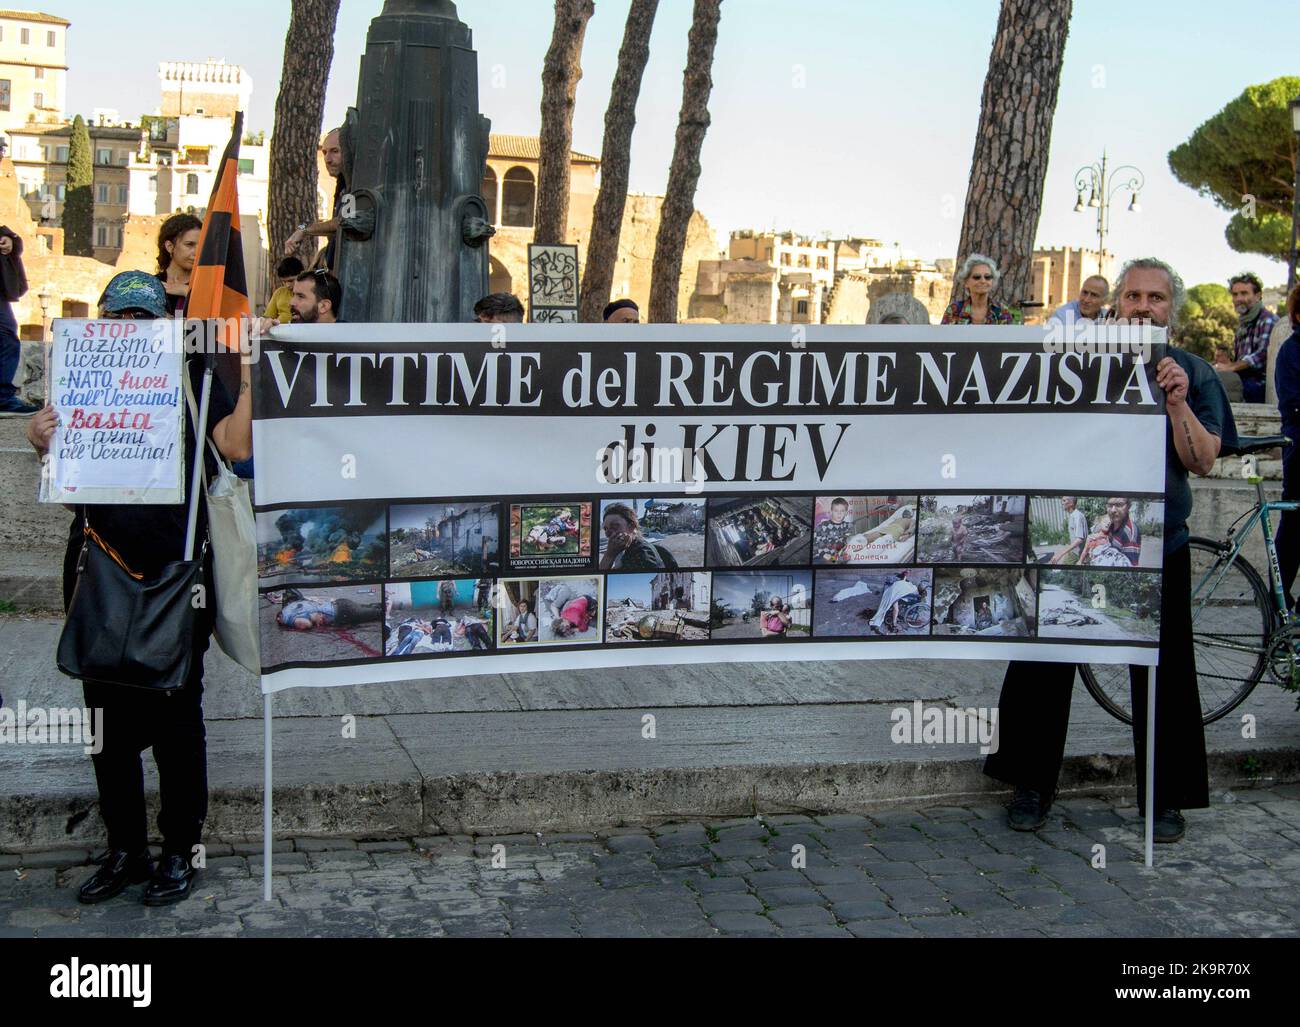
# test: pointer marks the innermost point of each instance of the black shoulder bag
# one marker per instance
(124, 631)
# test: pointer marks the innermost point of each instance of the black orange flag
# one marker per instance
(218, 286)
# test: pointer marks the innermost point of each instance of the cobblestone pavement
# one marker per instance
(940, 871)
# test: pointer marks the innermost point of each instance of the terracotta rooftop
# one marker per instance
(44, 19)
(527, 148)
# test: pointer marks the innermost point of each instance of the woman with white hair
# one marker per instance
(978, 275)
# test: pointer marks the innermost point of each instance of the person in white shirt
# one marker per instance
(1088, 307)
(1077, 525)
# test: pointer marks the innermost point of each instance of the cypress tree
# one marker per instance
(79, 207)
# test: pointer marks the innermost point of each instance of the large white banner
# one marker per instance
(452, 500)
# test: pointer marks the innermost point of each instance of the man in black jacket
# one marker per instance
(13, 284)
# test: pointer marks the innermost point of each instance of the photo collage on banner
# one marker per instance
(362, 581)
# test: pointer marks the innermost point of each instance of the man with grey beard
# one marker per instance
(1034, 710)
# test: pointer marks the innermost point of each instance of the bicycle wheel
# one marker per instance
(1232, 621)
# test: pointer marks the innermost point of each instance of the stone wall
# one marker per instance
(855, 291)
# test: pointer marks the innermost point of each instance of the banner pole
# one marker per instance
(200, 435)
(266, 797)
(1151, 768)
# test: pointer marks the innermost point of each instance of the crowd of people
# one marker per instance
(1035, 701)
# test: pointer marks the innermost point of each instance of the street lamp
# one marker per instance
(44, 298)
(1295, 203)
(1102, 184)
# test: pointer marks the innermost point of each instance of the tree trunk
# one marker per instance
(615, 160)
(308, 54)
(684, 174)
(561, 73)
(1005, 195)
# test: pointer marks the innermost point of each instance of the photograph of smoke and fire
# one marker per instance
(329, 543)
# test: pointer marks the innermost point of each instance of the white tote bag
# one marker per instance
(234, 560)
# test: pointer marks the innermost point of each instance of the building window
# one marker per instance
(488, 188)
(124, 157)
(60, 191)
(821, 263)
(40, 72)
(103, 156)
(5, 85)
(101, 193)
(123, 194)
(246, 166)
(62, 154)
(803, 260)
(785, 258)
(25, 36)
(38, 100)
(801, 307)
(101, 236)
(192, 185)
(50, 39)
(199, 111)
(519, 198)
(153, 183)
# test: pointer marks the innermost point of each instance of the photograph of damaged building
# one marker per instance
(972, 529)
(320, 544)
(671, 606)
(433, 540)
(759, 531)
(985, 601)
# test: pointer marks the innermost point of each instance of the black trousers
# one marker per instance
(131, 720)
(1034, 711)
(1288, 534)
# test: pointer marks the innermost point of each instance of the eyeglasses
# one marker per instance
(982, 278)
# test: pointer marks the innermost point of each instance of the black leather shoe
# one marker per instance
(117, 869)
(1028, 811)
(1170, 826)
(172, 881)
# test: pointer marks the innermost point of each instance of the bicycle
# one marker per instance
(1241, 627)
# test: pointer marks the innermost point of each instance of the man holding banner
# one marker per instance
(1034, 710)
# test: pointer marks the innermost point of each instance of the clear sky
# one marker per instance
(848, 116)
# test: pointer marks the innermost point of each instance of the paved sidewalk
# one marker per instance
(941, 871)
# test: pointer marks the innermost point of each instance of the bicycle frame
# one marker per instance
(1261, 515)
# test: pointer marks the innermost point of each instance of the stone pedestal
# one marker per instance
(414, 229)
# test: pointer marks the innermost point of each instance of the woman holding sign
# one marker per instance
(143, 540)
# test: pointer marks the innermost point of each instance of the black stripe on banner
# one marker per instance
(657, 379)
(235, 279)
(216, 242)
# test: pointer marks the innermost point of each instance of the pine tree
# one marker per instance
(615, 160)
(1005, 195)
(684, 172)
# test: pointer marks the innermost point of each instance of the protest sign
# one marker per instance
(116, 386)
(552, 283)
(433, 504)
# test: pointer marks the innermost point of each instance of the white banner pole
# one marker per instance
(266, 797)
(1151, 766)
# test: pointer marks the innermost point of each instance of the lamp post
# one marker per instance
(1295, 203)
(44, 298)
(1101, 185)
